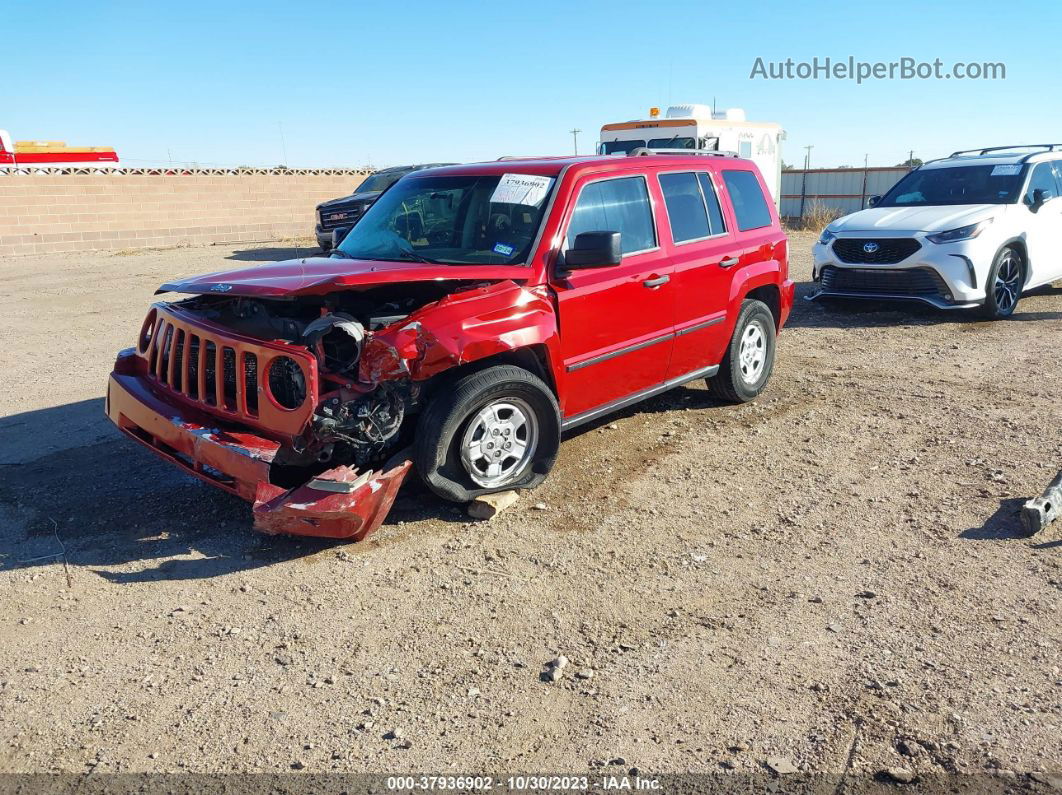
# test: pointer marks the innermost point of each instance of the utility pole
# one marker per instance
(804, 183)
(910, 159)
(575, 139)
(866, 167)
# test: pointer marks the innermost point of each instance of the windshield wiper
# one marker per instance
(403, 256)
(413, 256)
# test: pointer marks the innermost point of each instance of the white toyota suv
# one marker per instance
(977, 228)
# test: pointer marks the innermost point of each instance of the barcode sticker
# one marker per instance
(526, 189)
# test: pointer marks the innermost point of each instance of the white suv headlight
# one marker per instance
(826, 237)
(962, 233)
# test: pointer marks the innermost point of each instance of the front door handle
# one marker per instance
(729, 262)
(659, 280)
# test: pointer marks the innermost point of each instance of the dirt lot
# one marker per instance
(832, 576)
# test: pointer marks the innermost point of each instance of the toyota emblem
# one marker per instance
(871, 247)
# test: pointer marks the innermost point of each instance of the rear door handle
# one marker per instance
(659, 280)
(729, 262)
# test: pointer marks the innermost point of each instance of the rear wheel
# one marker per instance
(494, 430)
(1005, 282)
(749, 359)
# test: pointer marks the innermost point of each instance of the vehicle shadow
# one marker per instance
(32, 434)
(840, 313)
(1003, 524)
(113, 507)
(276, 253)
(116, 509)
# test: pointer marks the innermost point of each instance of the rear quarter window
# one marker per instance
(750, 207)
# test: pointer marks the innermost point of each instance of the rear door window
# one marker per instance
(715, 212)
(749, 205)
(616, 205)
(685, 207)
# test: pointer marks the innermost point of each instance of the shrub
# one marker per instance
(817, 216)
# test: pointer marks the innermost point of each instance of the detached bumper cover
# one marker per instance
(339, 503)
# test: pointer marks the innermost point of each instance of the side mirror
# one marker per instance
(873, 201)
(338, 234)
(594, 250)
(1039, 199)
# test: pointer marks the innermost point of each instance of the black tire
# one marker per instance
(730, 382)
(452, 411)
(1004, 284)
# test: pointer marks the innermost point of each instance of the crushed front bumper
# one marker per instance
(340, 503)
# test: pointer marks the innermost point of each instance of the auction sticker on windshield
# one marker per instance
(526, 189)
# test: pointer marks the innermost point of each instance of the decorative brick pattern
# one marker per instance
(59, 213)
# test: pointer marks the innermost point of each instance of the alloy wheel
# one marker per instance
(752, 352)
(499, 442)
(1007, 288)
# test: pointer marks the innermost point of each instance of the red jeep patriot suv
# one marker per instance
(473, 314)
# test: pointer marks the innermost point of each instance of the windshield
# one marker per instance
(624, 147)
(615, 147)
(453, 220)
(380, 181)
(957, 185)
(673, 143)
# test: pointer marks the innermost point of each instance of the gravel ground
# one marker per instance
(831, 578)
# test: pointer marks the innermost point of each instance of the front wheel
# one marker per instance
(749, 359)
(494, 430)
(1005, 282)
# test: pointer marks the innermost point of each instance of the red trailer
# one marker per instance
(53, 154)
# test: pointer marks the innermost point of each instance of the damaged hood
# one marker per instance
(317, 275)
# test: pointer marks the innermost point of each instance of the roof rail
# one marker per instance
(642, 150)
(534, 157)
(985, 151)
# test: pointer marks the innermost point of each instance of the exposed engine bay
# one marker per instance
(354, 422)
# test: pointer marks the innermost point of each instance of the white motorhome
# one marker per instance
(699, 127)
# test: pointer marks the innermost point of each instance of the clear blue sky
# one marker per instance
(341, 83)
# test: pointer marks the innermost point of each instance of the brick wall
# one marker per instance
(53, 213)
